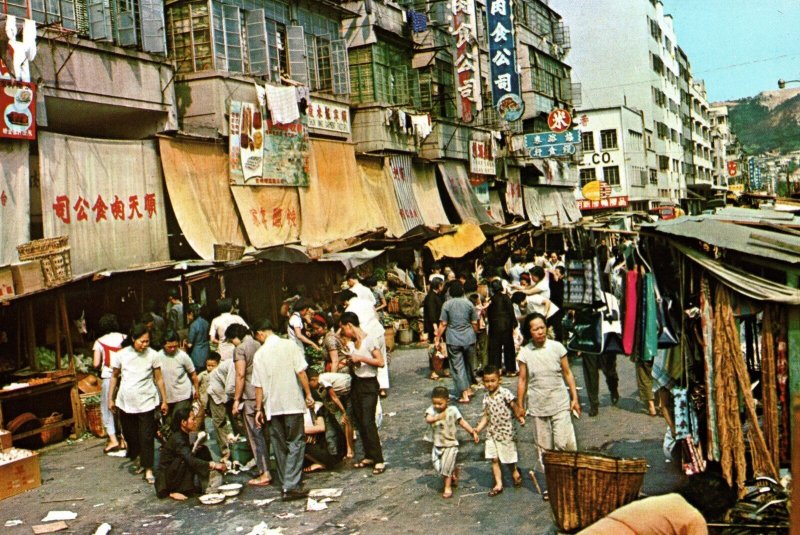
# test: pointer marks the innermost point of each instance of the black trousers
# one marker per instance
(139, 430)
(364, 394)
(180, 476)
(592, 364)
(501, 350)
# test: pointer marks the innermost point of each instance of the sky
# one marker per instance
(739, 47)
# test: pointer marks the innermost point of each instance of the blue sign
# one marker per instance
(549, 144)
(504, 77)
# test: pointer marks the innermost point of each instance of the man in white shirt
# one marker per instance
(279, 377)
(225, 319)
(370, 324)
(359, 289)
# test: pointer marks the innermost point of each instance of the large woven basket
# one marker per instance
(94, 416)
(54, 255)
(228, 252)
(56, 434)
(585, 487)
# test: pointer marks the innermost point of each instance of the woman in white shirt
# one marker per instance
(104, 348)
(366, 357)
(137, 370)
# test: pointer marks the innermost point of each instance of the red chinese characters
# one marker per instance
(64, 208)
(3, 198)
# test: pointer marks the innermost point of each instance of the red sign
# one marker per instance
(559, 120)
(467, 59)
(18, 105)
(97, 210)
(602, 204)
(733, 168)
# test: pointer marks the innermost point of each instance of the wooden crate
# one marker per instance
(28, 277)
(6, 283)
(5, 440)
(20, 475)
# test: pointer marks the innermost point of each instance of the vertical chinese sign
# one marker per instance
(464, 28)
(504, 77)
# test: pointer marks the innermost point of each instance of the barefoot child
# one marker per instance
(443, 420)
(499, 408)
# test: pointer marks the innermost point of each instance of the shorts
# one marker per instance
(444, 460)
(506, 452)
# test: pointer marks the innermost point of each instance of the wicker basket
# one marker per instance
(52, 435)
(227, 252)
(54, 255)
(94, 414)
(39, 248)
(586, 487)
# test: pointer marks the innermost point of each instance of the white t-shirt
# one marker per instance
(110, 340)
(176, 371)
(340, 382)
(295, 320)
(547, 392)
(368, 345)
(367, 317)
(137, 390)
(275, 368)
(363, 292)
(220, 324)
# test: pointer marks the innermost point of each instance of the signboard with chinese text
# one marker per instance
(467, 58)
(602, 204)
(596, 190)
(559, 120)
(733, 168)
(18, 105)
(481, 158)
(330, 116)
(550, 144)
(504, 77)
(107, 196)
(276, 154)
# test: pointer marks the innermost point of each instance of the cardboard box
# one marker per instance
(5, 440)
(20, 475)
(27, 277)
(6, 283)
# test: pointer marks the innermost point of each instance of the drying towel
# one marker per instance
(631, 302)
(422, 125)
(283, 104)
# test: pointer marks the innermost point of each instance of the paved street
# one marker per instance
(406, 499)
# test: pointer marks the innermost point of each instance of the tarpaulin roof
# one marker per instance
(335, 205)
(466, 238)
(351, 259)
(199, 190)
(466, 203)
(379, 187)
(555, 206)
(427, 195)
(742, 282)
(271, 214)
(107, 196)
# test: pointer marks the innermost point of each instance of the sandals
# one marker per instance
(108, 449)
(364, 463)
(313, 468)
(517, 480)
(379, 469)
(546, 496)
(495, 492)
(447, 495)
(151, 479)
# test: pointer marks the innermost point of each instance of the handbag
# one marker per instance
(666, 325)
(587, 334)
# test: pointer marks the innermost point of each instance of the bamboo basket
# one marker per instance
(52, 435)
(586, 487)
(54, 255)
(39, 248)
(228, 252)
(94, 414)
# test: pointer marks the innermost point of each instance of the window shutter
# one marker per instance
(257, 41)
(341, 67)
(67, 10)
(99, 21)
(126, 24)
(154, 38)
(297, 54)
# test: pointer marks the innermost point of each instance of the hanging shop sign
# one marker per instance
(330, 116)
(550, 144)
(596, 190)
(601, 204)
(18, 102)
(481, 158)
(467, 57)
(733, 168)
(263, 153)
(504, 77)
(559, 120)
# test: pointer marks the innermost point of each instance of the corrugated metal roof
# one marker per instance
(777, 246)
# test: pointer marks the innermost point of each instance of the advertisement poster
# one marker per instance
(330, 116)
(481, 158)
(18, 102)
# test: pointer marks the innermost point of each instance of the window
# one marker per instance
(437, 85)
(653, 176)
(659, 98)
(608, 139)
(611, 175)
(663, 163)
(382, 73)
(635, 140)
(587, 175)
(658, 65)
(58, 12)
(662, 130)
(587, 141)
(676, 165)
(549, 76)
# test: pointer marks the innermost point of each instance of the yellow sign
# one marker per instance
(736, 188)
(596, 190)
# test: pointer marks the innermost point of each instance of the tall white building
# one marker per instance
(624, 53)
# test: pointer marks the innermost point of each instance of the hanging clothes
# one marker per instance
(769, 381)
(707, 325)
(631, 306)
(650, 320)
(282, 103)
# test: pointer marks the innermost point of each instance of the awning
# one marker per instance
(197, 180)
(335, 205)
(466, 203)
(291, 253)
(496, 207)
(271, 214)
(379, 188)
(352, 259)
(465, 239)
(514, 203)
(547, 206)
(15, 203)
(427, 195)
(107, 196)
(742, 282)
(400, 171)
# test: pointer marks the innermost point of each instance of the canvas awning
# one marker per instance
(379, 188)
(335, 205)
(496, 207)
(107, 196)
(548, 206)
(197, 180)
(352, 259)
(466, 203)
(400, 171)
(514, 203)
(15, 203)
(270, 214)
(465, 239)
(427, 195)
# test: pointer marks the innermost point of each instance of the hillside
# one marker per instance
(770, 121)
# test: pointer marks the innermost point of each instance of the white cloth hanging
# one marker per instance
(282, 102)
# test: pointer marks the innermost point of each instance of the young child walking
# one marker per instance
(499, 408)
(443, 419)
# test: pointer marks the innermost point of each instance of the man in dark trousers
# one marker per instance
(501, 319)
(432, 309)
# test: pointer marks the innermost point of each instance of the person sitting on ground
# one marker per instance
(500, 407)
(179, 467)
(325, 440)
(333, 390)
(443, 419)
(704, 497)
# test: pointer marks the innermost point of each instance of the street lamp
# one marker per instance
(782, 83)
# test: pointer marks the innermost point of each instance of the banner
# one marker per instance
(14, 199)
(602, 204)
(504, 77)
(18, 102)
(265, 154)
(402, 173)
(330, 116)
(467, 57)
(481, 158)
